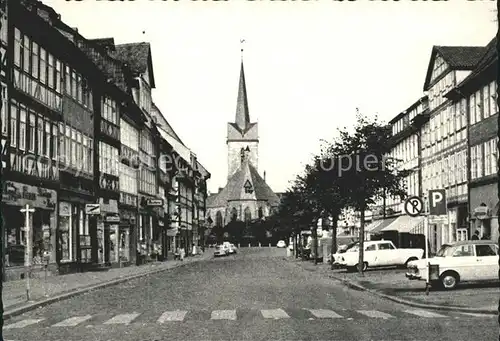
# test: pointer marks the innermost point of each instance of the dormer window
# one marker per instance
(248, 187)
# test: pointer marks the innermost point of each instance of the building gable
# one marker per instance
(436, 68)
(455, 57)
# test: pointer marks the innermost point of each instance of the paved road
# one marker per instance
(254, 295)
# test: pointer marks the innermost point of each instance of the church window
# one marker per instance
(248, 214)
(218, 219)
(248, 187)
(261, 213)
(234, 214)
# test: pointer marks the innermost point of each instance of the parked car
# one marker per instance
(379, 253)
(281, 244)
(232, 249)
(464, 261)
(221, 250)
(341, 250)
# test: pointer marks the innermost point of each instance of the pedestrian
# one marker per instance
(476, 235)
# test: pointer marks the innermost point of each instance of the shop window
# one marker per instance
(16, 235)
(65, 233)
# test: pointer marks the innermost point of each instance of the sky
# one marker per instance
(308, 65)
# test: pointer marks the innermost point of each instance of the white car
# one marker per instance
(343, 249)
(221, 250)
(464, 261)
(379, 253)
(281, 244)
(232, 249)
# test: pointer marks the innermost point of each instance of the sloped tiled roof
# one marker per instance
(461, 57)
(488, 57)
(136, 54)
(107, 43)
(457, 57)
(235, 187)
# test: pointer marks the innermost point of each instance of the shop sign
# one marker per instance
(18, 194)
(154, 202)
(92, 209)
(482, 212)
(112, 219)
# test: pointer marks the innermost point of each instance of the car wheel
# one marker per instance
(365, 266)
(411, 259)
(449, 280)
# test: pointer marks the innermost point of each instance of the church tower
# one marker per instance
(242, 135)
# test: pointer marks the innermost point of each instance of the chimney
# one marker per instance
(264, 176)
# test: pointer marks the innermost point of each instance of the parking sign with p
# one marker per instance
(437, 202)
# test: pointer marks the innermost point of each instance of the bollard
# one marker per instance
(260, 245)
(269, 244)
(248, 244)
(239, 245)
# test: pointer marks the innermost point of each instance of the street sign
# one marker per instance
(112, 219)
(92, 209)
(414, 206)
(154, 202)
(437, 202)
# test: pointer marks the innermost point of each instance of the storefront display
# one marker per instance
(73, 234)
(15, 197)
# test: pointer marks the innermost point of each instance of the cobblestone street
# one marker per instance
(254, 295)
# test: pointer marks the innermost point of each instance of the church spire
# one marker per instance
(242, 115)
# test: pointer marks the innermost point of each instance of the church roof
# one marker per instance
(242, 113)
(235, 188)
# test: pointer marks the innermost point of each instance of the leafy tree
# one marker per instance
(327, 187)
(366, 172)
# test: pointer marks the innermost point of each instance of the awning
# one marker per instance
(404, 224)
(179, 148)
(382, 225)
(373, 225)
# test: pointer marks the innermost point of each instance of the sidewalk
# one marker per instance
(392, 284)
(65, 286)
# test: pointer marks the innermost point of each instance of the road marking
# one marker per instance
(375, 314)
(23, 323)
(479, 315)
(223, 315)
(274, 314)
(72, 321)
(423, 313)
(324, 313)
(122, 319)
(169, 316)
